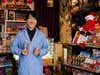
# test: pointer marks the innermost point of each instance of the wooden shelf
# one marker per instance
(5, 52)
(19, 9)
(10, 32)
(81, 68)
(8, 65)
(88, 45)
(1, 9)
(15, 21)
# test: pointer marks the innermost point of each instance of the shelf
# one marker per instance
(8, 32)
(88, 45)
(81, 68)
(5, 51)
(1, 9)
(19, 21)
(11, 32)
(19, 10)
(8, 65)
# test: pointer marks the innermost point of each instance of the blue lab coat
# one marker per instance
(30, 64)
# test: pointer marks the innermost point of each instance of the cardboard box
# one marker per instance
(44, 29)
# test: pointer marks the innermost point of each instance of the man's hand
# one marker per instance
(36, 52)
(25, 52)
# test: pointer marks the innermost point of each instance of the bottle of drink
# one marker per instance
(26, 45)
(59, 63)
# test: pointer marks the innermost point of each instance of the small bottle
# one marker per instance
(26, 45)
(73, 62)
(59, 63)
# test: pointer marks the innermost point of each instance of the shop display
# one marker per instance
(85, 55)
(50, 54)
(46, 69)
(17, 7)
(11, 29)
(84, 62)
(12, 20)
(2, 17)
(59, 63)
(5, 65)
(48, 58)
(58, 55)
(15, 27)
(89, 32)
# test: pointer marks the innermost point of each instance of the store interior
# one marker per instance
(72, 29)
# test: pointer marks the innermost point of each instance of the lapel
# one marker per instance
(27, 37)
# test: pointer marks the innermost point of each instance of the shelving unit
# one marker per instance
(66, 45)
(15, 21)
(88, 45)
(82, 69)
(12, 20)
(73, 64)
(2, 18)
(8, 65)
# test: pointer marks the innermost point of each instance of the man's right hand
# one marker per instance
(25, 52)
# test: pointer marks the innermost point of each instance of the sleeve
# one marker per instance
(14, 48)
(44, 50)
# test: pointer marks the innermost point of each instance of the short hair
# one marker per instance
(33, 13)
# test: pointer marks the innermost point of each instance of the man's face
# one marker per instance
(31, 21)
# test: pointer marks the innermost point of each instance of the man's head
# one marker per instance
(31, 19)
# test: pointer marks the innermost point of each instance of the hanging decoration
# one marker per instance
(50, 3)
(29, 1)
